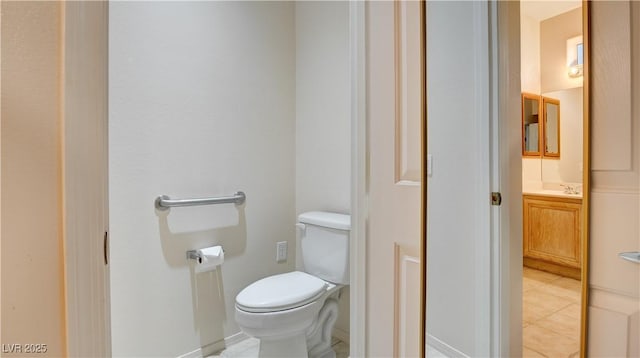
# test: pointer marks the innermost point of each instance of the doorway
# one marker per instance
(554, 177)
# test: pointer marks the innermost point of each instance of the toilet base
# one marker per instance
(319, 334)
(291, 347)
(303, 332)
(314, 343)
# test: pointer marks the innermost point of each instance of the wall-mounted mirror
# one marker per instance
(531, 125)
(551, 127)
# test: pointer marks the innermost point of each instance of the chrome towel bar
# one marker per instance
(163, 202)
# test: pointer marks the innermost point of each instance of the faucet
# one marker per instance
(570, 189)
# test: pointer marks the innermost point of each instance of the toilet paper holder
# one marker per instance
(207, 258)
(194, 255)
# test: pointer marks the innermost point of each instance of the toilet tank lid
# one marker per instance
(326, 219)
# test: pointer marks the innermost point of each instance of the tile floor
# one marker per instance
(550, 315)
(249, 349)
(550, 321)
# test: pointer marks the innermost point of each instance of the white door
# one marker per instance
(394, 115)
(614, 284)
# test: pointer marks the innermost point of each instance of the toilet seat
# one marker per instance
(281, 292)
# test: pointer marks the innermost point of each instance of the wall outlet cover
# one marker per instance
(281, 251)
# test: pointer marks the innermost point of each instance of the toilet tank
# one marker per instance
(325, 245)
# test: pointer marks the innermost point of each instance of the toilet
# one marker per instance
(292, 314)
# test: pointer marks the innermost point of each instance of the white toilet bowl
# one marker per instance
(283, 312)
(293, 313)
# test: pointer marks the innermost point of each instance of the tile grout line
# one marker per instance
(531, 349)
(542, 286)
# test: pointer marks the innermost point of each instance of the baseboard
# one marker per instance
(557, 269)
(341, 334)
(235, 338)
(193, 354)
(444, 348)
(218, 346)
(215, 347)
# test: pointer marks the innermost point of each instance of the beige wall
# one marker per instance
(567, 169)
(554, 33)
(32, 259)
(614, 284)
(546, 74)
(530, 56)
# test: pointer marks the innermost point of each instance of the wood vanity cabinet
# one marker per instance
(552, 231)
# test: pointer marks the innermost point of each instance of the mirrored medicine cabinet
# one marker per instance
(540, 126)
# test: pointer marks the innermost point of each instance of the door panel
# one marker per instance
(394, 108)
(614, 284)
(407, 297)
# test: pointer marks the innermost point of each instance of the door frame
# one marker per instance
(359, 180)
(85, 177)
(506, 177)
(586, 177)
(507, 265)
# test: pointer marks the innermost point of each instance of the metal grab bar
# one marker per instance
(163, 202)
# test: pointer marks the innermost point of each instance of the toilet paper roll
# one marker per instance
(210, 259)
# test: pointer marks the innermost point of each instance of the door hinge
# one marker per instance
(496, 198)
(105, 247)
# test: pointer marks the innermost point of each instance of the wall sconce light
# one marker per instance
(575, 57)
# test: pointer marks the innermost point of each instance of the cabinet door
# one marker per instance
(552, 230)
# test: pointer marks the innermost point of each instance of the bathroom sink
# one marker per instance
(550, 192)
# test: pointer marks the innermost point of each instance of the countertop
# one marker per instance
(554, 193)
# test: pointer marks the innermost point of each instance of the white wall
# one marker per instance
(323, 126)
(33, 302)
(458, 190)
(531, 173)
(201, 104)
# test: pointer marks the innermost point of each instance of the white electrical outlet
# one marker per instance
(281, 251)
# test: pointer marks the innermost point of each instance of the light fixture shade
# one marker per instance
(575, 57)
(575, 71)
